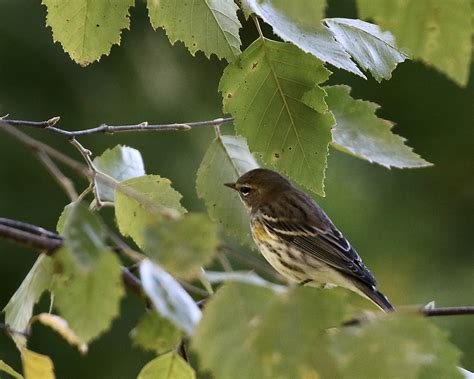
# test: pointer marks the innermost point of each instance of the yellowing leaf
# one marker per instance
(167, 366)
(211, 26)
(36, 366)
(227, 158)
(89, 301)
(19, 309)
(133, 216)
(264, 92)
(87, 29)
(61, 326)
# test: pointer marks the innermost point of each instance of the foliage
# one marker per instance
(286, 117)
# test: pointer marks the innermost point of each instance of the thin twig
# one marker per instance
(57, 174)
(9, 331)
(192, 288)
(448, 311)
(111, 129)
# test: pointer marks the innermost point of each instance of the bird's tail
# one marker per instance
(377, 297)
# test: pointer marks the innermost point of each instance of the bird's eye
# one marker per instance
(244, 191)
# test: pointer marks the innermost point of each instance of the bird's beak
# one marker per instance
(230, 185)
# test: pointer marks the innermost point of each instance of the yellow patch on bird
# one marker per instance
(260, 232)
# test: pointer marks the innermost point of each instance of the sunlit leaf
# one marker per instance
(436, 31)
(83, 234)
(264, 92)
(87, 29)
(372, 49)
(167, 366)
(168, 297)
(36, 366)
(211, 26)
(396, 346)
(155, 333)
(248, 277)
(121, 163)
(227, 158)
(61, 326)
(360, 132)
(270, 334)
(134, 216)
(9, 370)
(19, 309)
(89, 301)
(312, 37)
(182, 246)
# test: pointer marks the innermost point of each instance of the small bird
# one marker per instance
(299, 240)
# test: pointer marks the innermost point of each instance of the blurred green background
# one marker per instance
(413, 227)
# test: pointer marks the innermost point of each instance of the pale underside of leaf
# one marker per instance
(211, 26)
(87, 29)
(264, 92)
(227, 158)
(438, 32)
(360, 132)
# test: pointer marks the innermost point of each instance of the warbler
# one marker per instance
(299, 240)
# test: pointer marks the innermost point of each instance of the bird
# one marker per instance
(299, 240)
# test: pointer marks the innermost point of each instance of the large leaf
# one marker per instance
(83, 234)
(436, 31)
(285, 18)
(168, 297)
(271, 335)
(211, 26)
(121, 163)
(264, 92)
(360, 132)
(133, 216)
(182, 246)
(87, 29)
(156, 333)
(167, 366)
(36, 365)
(393, 347)
(227, 158)
(372, 49)
(89, 301)
(19, 309)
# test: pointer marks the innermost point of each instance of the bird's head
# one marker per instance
(256, 186)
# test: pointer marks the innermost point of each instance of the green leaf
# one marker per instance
(360, 132)
(182, 246)
(264, 92)
(134, 216)
(87, 29)
(63, 216)
(372, 49)
(155, 333)
(416, 349)
(9, 370)
(83, 236)
(211, 26)
(19, 309)
(36, 365)
(438, 32)
(168, 297)
(290, 20)
(89, 301)
(272, 335)
(121, 163)
(167, 366)
(227, 158)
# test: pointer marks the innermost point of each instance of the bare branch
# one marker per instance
(111, 129)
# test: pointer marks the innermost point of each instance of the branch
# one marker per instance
(111, 129)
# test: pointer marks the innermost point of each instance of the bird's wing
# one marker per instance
(327, 245)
